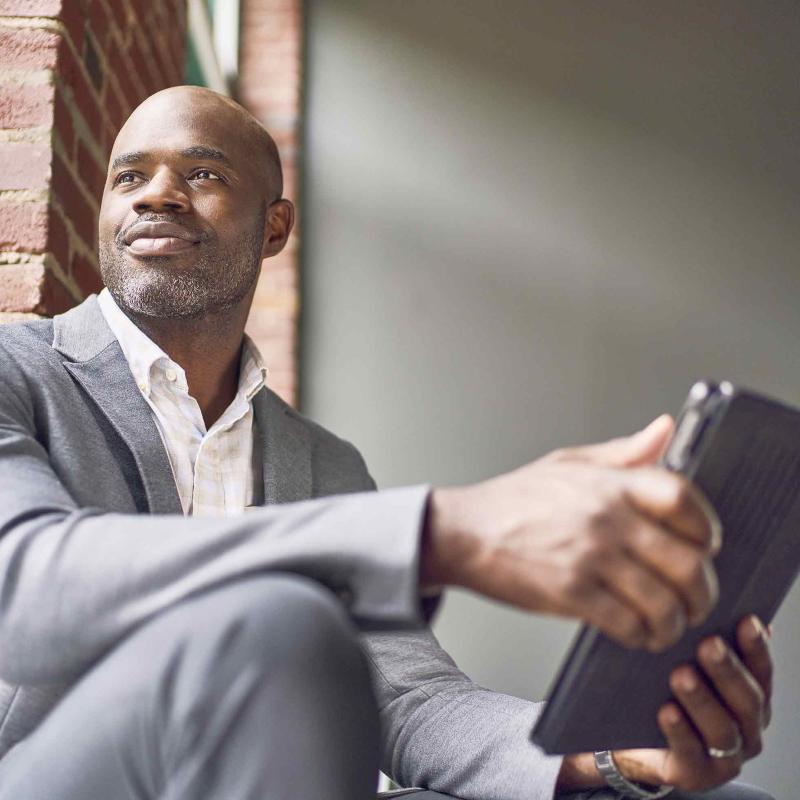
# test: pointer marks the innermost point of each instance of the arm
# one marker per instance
(548, 569)
(446, 733)
(74, 581)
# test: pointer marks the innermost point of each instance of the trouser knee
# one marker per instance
(268, 622)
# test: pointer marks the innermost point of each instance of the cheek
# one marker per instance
(110, 222)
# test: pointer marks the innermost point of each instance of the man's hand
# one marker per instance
(724, 703)
(596, 533)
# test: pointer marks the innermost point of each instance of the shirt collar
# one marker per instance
(141, 352)
(252, 370)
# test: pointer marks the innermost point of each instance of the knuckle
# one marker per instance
(630, 627)
(598, 546)
(682, 497)
(603, 517)
(561, 454)
(755, 705)
(573, 583)
(691, 570)
(668, 615)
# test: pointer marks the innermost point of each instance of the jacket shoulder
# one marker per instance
(23, 348)
(36, 332)
(337, 462)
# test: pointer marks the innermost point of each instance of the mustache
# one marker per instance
(174, 219)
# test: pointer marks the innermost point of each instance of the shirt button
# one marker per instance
(143, 388)
(172, 376)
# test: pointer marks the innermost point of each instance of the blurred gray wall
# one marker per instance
(536, 223)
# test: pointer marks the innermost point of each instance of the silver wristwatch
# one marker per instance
(604, 762)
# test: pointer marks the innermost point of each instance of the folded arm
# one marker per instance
(73, 581)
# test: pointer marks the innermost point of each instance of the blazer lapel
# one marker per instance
(99, 366)
(286, 450)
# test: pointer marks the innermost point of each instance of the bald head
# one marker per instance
(210, 115)
(191, 205)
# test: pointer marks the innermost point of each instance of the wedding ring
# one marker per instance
(716, 752)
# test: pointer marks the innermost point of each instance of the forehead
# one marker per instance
(172, 127)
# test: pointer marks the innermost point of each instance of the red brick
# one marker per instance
(99, 24)
(57, 237)
(90, 173)
(22, 48)
(62, 122)
(73, 16)
(158, 42)
(86, 275)
(160, 59)
(26, 106)
(30, 8)
(81, 214)
(116, 113)
(55, 297)
(119, 66)
(71, 73)
(23, 226)
(25, 166)
(22, 286)
(119, 13)
(142, 70)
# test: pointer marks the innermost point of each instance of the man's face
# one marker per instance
(183, 212)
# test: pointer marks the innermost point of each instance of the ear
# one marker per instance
(278, 226)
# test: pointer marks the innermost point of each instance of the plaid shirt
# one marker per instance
(213, 468)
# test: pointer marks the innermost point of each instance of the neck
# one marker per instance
(208, 348)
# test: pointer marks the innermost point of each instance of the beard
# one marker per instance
(219, 278)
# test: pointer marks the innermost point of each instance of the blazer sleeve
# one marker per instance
(73, 581)
(444, 732)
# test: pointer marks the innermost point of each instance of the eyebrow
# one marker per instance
(196, 151)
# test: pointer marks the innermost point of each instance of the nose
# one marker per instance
(163, 192)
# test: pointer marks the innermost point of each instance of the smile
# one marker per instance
(159, 238)
(158, 245)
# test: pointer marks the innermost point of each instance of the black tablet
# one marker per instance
(743, 451)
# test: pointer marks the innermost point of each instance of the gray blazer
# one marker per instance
(81, 461)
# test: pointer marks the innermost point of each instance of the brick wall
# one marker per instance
(270, 81)
(70, 73)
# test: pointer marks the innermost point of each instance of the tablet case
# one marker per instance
(743, 451)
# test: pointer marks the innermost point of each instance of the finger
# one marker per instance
(599, 607)
(682, 565)
(672, 500)
(714, 723)
(682, 739)
(737, 688)
(644, 447)
(753, 640)
(690, 766)
(657, 602)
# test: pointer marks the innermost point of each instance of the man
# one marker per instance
(204, 652)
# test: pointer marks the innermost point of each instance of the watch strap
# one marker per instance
(606, 766)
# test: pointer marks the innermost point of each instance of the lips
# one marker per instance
(158, 239)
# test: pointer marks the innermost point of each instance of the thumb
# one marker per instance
(641, 448)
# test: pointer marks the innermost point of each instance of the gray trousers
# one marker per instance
(256, 690)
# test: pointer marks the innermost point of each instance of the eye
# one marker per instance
(125, 177)
(204, 174)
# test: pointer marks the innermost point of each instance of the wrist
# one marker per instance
(630, 784)
(578, 771)
(635, 769)
(446, 542)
